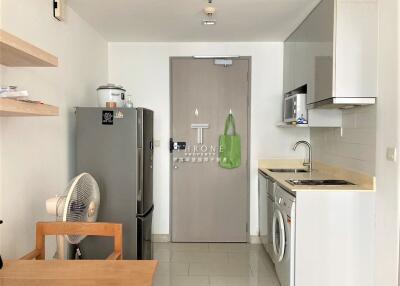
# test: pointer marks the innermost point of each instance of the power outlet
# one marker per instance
(391, 154)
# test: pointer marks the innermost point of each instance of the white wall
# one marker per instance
(387, 198)
(143, 68)
(353, 147)
(37, 154)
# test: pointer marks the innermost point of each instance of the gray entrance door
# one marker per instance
(208, 204)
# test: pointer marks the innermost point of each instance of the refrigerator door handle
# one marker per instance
(140, 174)
(141, 216)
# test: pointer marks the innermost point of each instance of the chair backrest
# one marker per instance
(78, 228)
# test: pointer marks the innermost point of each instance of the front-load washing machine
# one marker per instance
(283, 231)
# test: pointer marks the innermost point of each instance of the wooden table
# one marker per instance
(82, 272)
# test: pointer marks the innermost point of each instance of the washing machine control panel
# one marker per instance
(284, 199)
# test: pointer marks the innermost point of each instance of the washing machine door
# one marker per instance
(278, 236)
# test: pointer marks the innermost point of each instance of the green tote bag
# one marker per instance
(229, 146)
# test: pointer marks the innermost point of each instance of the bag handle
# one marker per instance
(230, 123)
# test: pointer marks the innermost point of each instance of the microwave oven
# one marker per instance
(294, 108)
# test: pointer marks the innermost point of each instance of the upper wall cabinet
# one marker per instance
(334, 53)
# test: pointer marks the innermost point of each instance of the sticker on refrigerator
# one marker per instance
(119, 115)
(108, 117)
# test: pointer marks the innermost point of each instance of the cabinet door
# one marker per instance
(312, 53)
(356, 49)
(262, 211)
(302, 65)
(289, 66)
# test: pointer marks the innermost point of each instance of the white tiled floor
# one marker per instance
(213, 264)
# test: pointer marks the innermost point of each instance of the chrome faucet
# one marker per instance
(309, 163)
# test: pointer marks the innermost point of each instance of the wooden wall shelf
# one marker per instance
(11, 107)
(15, 52)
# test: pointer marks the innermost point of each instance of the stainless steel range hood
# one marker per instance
(342, 102)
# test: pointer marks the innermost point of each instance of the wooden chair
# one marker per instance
(76, 228)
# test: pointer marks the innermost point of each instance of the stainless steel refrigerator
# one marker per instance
(116, 147)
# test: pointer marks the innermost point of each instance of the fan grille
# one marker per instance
(82, 202)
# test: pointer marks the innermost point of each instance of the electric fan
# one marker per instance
(79, 203)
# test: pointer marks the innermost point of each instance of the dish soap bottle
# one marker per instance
(301, 120)
(129, 103)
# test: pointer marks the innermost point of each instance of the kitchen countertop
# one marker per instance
(363, 183)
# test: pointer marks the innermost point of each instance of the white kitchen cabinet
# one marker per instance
(334, 239)
(333, 235)
(334, 52)
(356, 46)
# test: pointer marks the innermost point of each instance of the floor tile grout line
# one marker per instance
(252, 259)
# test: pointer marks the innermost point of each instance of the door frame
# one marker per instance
(249, 76)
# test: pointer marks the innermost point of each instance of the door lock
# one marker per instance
(176, 145)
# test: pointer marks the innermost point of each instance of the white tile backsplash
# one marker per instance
(353, 147)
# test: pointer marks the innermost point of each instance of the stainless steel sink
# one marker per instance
(288, 170)
(319, 182)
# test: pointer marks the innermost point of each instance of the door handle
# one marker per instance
(176, 167)
(140, 174)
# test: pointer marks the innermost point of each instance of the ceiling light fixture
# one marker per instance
(210, 19)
